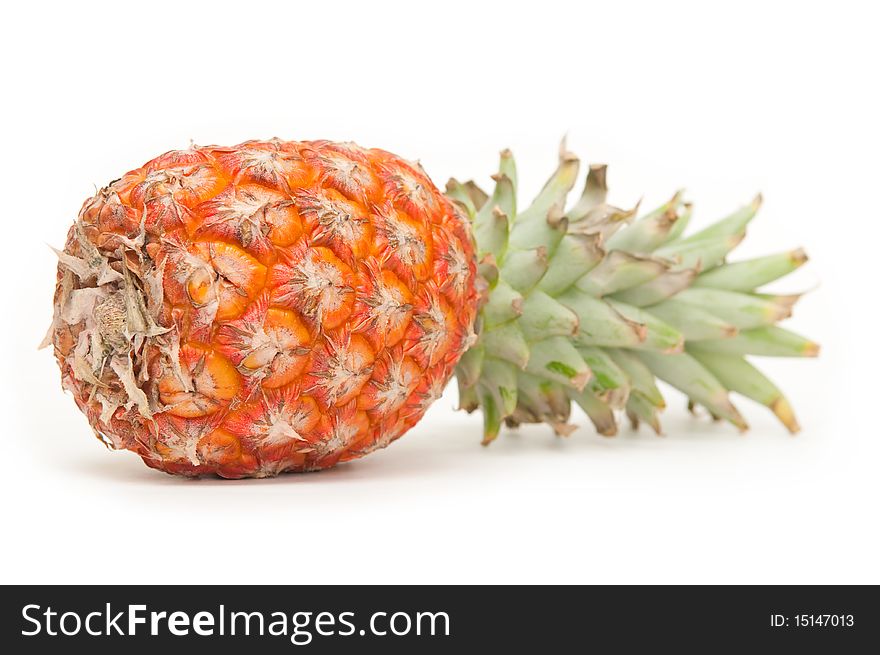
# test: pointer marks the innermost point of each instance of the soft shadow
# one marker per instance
(377, 467)
(682, 429)
(423, 452)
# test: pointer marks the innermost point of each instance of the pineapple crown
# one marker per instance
(593, 304)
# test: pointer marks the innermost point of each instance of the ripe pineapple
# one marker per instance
(283, 306)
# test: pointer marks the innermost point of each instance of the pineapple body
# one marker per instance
(273, 306)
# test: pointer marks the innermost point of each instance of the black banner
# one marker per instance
(434, 619)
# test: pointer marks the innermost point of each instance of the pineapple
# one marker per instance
(285, 306)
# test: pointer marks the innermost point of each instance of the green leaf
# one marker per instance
(555, 190)
(600, 412)
(733, 225)
(522, 269)
(639, 410)
(457, 192)
(739, 309)
(660, 288)
(605, 370)
(470, 366)
(679, 227)
(649, 231)
(594, 193)
(621, 270)
(600, 324)
(641, 379)
(737, 374)
(574, 257)
(543, 317)
(656, 334)
(497, 391)
(694, 323)
(769, 341)
(506, 342)
(542, 399)
(491, 224)
(556, 359)
(505, 304)
(704, 254)
(507, 166)
(752, 273)
(690, 377)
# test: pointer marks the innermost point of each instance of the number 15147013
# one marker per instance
(812, 621)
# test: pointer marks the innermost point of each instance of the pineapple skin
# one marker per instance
(268, 307)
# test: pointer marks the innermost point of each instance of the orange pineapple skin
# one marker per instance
(279, 305)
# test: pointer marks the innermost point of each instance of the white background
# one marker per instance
(775, 97)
